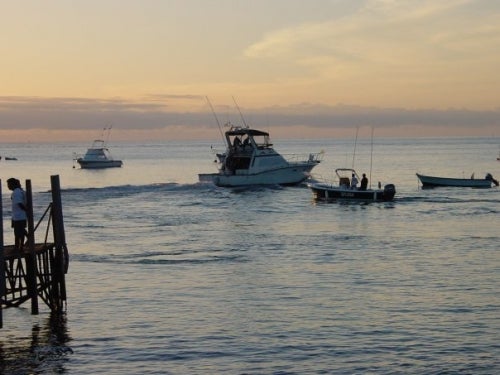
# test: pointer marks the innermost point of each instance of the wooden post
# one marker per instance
(31, 269)
(61, 258)
(2, 260)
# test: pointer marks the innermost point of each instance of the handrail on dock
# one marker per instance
(38, 270)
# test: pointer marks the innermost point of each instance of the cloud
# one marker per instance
(345, 116)
(376, 24)
(18, 113)
(89, 113)
(412, 46)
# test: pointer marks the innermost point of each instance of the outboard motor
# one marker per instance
(489, 177)
(389, 192)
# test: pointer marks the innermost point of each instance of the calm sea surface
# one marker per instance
(169, 276)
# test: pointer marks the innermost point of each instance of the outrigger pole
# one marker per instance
(217, 120)
(107, 134)
(241, 115)
(355, 143)
(371, 158)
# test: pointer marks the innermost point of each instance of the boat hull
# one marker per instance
(85, 164)
(432, 182)
(290, 175)
(328, 192)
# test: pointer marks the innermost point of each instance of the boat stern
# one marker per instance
(389, 192)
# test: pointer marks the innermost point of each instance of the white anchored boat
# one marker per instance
(433, 181)
(250, 159)
(98, 155)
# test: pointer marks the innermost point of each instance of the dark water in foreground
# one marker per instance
(168, 276)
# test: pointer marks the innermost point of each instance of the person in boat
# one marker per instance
(246, 142)
(354, 181)
(364, 182)
(19, 217)
(237, 142)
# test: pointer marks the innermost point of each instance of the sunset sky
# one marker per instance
(298, 68)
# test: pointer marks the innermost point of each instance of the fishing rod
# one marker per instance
(217, 120)
(241, 115)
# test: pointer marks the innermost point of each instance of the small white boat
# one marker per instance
(433, 181)
(98, 155)
(342, 190)
(250, 159)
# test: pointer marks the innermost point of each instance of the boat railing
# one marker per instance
(326, 179)
(311, 157)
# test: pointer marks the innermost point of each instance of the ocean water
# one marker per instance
(170, 276)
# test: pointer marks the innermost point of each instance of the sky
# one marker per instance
(155, 69)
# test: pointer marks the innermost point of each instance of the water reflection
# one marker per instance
(45, 351)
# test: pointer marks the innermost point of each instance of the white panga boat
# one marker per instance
(250, 159)
(342, 189)
(433, 181)
(98, 155)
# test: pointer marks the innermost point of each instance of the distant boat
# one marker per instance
(433, 181)
(98, 156)
(342, 191)
(250, 159)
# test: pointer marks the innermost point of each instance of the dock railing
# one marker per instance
(38, 270)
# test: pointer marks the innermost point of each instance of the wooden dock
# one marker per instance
(38, 270)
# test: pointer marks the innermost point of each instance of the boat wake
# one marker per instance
(160, 258)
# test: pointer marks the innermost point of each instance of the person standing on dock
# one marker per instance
(19, 218)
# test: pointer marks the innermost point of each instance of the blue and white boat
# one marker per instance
(342, 190)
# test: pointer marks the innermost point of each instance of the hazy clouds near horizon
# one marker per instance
(79, 114)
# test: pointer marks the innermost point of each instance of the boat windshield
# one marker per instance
(262, 140)
(237, 137)
(98, 143)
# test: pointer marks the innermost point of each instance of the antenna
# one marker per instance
(371, 159)
(217, 120)
(107, 135)
(241, 115)
(355, 143)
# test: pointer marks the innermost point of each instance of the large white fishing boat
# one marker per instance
(250, 159)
